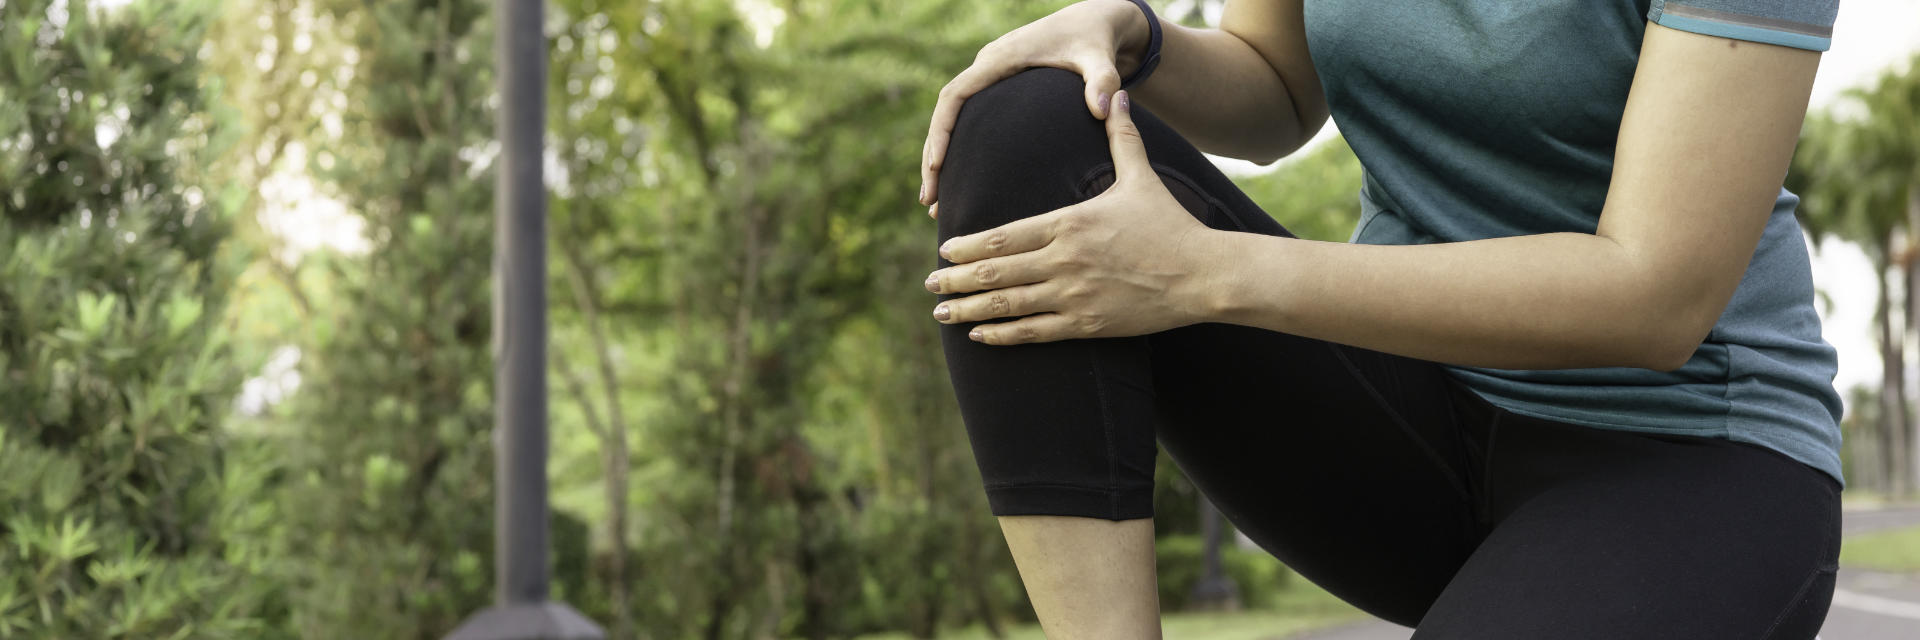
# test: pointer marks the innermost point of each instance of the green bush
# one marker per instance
(125, 510)
(1259, 577)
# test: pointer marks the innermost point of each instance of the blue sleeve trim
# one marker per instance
(1744, 32)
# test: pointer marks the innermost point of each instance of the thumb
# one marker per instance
(1129, 152)
(1102, 80)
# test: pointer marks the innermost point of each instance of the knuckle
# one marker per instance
(999, 305)
(996, 240)
(1027, 333)
(1072, 221)
(985, 273)
(992, 49)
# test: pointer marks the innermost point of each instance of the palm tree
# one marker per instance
(1860, 182)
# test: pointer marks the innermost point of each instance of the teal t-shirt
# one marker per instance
(1488, 118)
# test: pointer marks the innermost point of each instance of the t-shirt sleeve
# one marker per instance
(1802, 24)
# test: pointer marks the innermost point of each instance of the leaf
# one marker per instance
(181, 312)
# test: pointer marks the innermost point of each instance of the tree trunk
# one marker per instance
(1893, 409)
(613, 436)
(1215, 591)
(1911, 451)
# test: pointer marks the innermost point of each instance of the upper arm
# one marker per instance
(1276, 29)
(1709, 128)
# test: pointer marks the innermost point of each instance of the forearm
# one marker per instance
(1551, 301)
(1223, 95)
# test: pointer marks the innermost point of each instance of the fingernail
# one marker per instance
(974, 334)
(1121, 98)
(940, 313)
(943, 249)
(930, 213)
(923, 192)
(933, 284)
(1104, 104)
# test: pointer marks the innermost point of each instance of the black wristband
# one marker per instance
(1152, 59)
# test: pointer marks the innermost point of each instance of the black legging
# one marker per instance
(1378, 477)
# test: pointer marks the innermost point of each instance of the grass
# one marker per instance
(1894, 550)
(1302, 607)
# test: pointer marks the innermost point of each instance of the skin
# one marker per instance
(1262, 96)
(1087, 577)
(1704, 143)
(1709, 127)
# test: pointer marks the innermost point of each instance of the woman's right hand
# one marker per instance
(1095, 38)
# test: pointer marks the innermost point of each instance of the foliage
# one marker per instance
(737, 190)
(1257, 575)
(1859, 180)
(388, 456)
(125, 509)
(1315, 195)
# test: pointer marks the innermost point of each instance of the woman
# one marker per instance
(1566, 381)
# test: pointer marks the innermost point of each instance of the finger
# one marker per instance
(1102, 81)
(1129, 151)
(1019, 236)
(940, 129)
(992, 273)
(1010, 302)
(933, 211)
(1045, 327)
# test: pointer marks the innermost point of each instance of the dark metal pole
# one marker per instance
(522, 611)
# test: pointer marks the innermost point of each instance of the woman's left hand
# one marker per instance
(1127, 262)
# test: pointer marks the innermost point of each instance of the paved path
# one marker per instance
(1867, 605)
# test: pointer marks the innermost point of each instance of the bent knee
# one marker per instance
(1036, 95)
(1037, 112)
(1028, 133)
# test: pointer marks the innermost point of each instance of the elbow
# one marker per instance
(1264, 159)
(1671, 339)
(1666, 358)
(1264, 148)
(1272, 143)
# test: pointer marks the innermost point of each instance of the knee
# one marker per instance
(1023, 108)
(1021, 135)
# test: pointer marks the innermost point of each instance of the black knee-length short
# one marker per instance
(1379, 477)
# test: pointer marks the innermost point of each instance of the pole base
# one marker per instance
(528, 621)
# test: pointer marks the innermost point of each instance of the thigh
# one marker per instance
(1347, 464)
(1343, 463)
(1608, 534)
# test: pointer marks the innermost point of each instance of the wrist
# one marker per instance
(1211, 288)
(1246, 279)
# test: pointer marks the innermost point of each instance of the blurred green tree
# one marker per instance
(125, 510)
(1859, 180)
(735, 194)
(389, 460)
(1315, 195)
